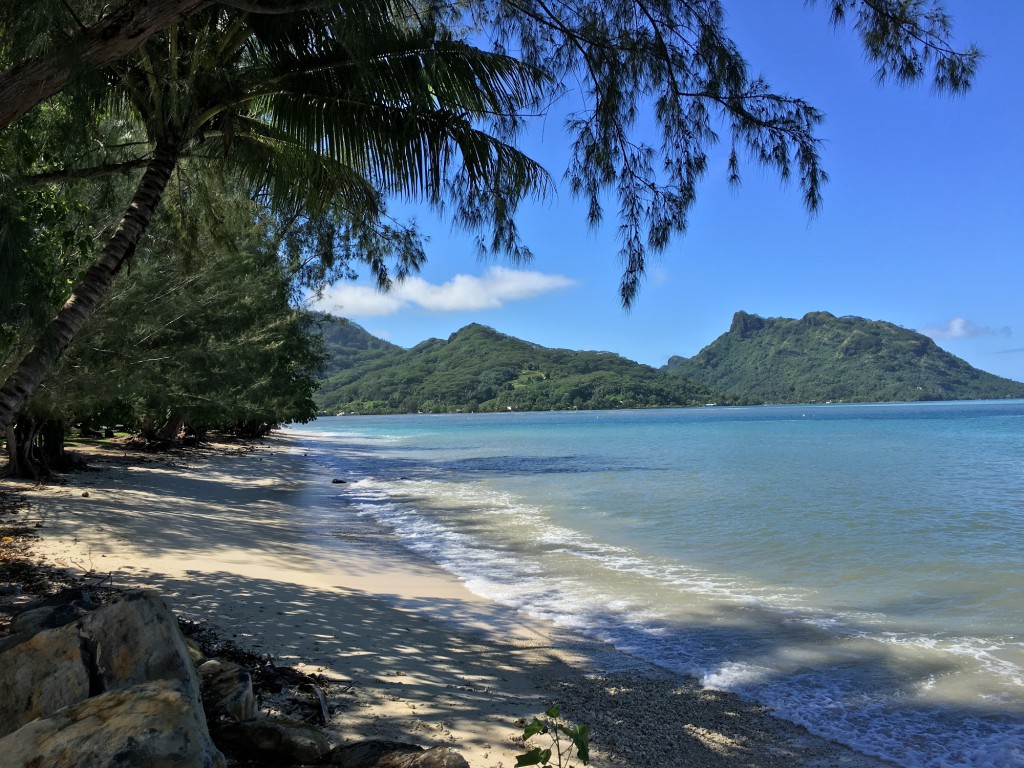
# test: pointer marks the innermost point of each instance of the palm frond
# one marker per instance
(289, 178)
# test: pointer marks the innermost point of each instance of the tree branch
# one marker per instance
(110, 39)
(95, 172)
(274, 7)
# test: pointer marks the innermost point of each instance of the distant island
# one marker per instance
(817, 359)
(822, 358)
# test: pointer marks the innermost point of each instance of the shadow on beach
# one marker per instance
(243, 544)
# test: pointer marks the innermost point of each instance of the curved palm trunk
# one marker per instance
(88, 293)
(114, 36)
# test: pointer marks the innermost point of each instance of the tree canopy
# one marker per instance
(203, 331)
(322, 113)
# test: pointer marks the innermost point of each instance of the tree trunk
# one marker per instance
(24, 456)
(36, 448)
(110, 39)
(13, 465)
(171, 430)
(87, 294)
(51, 445)
(251, 429)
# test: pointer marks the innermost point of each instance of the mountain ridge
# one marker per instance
(816, 358)
(480, 369)
(821, 358)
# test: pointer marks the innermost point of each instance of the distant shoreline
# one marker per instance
(327, 415)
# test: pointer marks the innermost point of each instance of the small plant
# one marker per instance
(558, 731)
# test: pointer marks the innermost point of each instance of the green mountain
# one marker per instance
(479, 369)
(346, 343)
(821, 358)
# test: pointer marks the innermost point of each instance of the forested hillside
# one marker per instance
(821, 358)
(347, 344)
(479, 369)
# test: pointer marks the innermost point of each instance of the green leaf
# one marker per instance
(581, 738)
(533, 757)
(553, 712)
(534, 728)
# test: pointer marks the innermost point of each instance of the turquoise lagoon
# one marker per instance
(858, 568)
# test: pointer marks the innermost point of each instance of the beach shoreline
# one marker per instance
(244, 539)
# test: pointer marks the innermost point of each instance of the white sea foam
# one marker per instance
(882, 726)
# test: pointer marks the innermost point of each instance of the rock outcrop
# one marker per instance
(227, 691)
(152, 725)
(98, 686)
(391, 754)
(276, 741)
(93, 686)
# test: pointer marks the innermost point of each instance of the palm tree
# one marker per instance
(318, 110)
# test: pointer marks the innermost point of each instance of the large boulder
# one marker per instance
(48, 617)
(153, 725)
(131, 640)
(136, 638)
(40, 675)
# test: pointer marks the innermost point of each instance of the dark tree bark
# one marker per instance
(171, 430)
(24, 457)
(87, 294)
(251, 430)
(110, 39)
(51, 445)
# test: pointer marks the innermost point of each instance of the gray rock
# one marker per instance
(195, 652)
(363, 754)
(154, 725)
(52, 612)
(394, 754)
(277, 742)
(46, 617)
(435, 757)
(132, 640)
(41, 674)
(227, 691)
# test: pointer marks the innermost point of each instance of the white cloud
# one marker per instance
(498, 286)
(353, 300)
(962, 328)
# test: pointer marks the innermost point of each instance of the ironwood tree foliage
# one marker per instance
(321, 112)
(327, 108)
(202, 333)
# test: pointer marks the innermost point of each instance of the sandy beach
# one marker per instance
(247, 540)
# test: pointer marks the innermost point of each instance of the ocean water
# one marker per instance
(858, 568)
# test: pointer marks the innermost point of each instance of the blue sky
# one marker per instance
(921, 224)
